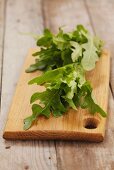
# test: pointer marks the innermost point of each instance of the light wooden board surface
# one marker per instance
(53, 155)
(71, 126)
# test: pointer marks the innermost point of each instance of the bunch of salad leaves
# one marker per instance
(64, 58)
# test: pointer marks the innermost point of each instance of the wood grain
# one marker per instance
(104, 26)
(2, 26)
(65, 13)
(21, 16)
(76, 155)
(89, 156)
(70, 155)
(70, 126)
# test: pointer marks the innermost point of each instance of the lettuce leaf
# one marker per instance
(64, 58)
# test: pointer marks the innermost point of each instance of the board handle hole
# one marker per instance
(91, 123)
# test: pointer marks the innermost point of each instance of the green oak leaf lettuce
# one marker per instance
(64, 59)
(90, 55)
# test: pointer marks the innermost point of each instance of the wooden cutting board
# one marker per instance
(75, 125)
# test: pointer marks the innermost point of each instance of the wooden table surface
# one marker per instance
(17, 16)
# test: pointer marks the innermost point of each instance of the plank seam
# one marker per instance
(92, 25)
(56, 150)
(44, 24)
(3, 40)
(111, 90)
(43, 13)
(89, 15)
